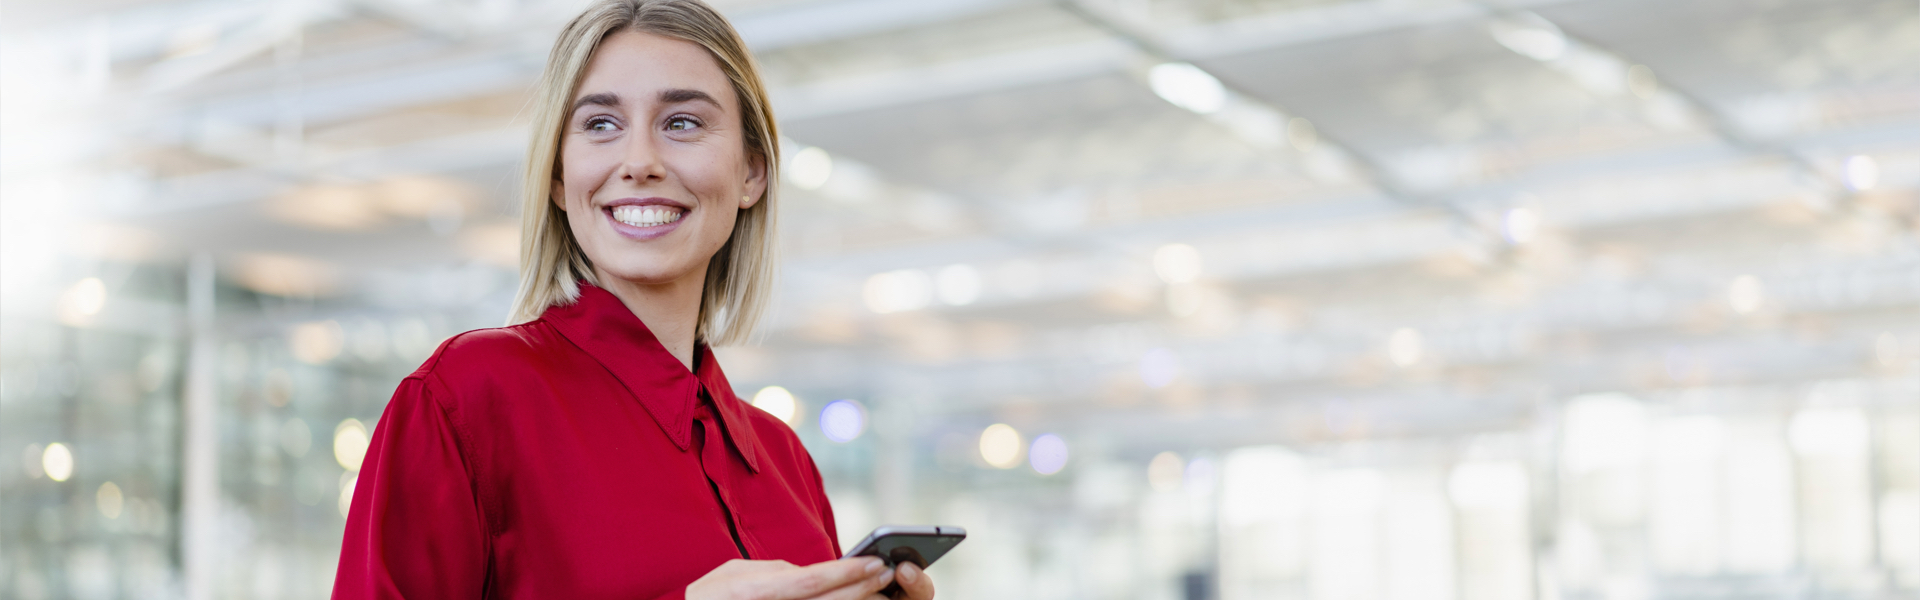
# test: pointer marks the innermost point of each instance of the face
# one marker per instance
(653, 166)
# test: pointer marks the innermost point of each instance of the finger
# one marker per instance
(819, 579)
(861, 589)
(914, 582)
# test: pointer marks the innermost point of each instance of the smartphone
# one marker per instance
(917, 544)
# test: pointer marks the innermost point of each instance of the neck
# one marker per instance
(670, 310)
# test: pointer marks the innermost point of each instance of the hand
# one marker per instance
(914, 583)
(847, 579)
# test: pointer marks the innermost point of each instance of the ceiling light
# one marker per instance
(1521, 225)
(1404, 347)
(1177, 263)
(1746, 294)
(1188, 87)
(897, 291)
(958, 285)
(1862, 173)
(1530, 36)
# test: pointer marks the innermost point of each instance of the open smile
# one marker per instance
(645, 218)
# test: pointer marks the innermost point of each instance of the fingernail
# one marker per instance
(909, 572)
(886, 577)
(875, 565)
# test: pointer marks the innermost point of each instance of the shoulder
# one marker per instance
(483, 353)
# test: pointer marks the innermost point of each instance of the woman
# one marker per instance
(595, 449)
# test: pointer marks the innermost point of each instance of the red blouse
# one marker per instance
(573, 457)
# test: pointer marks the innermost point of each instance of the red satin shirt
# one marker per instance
(573, 457)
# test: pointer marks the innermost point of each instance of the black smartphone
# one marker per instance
(917, 544)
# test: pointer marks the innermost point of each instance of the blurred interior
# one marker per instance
(1235, 299)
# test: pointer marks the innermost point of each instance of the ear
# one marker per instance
(558, 194)
(756, 184)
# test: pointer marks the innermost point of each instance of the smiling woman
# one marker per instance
(593, 448)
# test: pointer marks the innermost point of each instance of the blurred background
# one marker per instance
(1235, 299)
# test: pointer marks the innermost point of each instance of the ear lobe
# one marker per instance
(756, 184)
(558, 194)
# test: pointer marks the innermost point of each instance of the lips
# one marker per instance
(645, 218)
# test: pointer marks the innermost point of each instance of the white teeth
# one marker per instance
(645, 216)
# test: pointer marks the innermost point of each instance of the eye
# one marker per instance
(601, 125)
(682, 123)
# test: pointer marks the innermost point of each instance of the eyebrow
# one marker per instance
(672, 96)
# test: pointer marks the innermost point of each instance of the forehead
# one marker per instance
(638, 65)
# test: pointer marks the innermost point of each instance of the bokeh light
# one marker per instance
(843, 420)
(317, 342)
(777, 401)
(1000, 446)
(109, 500)
(1159, 367)
(1048, 455)
(1166, 472)
(57, 461)
(1862, 173)
(1745, 295)
(350, 444)
(810, 168)
(1405, 347)
(1177, 263)
(958, 285)
(82, 301)
(897, 291)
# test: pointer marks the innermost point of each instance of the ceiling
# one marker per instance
(1687, 211)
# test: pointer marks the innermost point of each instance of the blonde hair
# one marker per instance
(739, 280)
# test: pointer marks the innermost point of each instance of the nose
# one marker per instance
(641, 162)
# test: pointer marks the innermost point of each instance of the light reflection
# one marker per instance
(1832, 432)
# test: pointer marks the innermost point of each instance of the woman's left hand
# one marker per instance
(914, 583)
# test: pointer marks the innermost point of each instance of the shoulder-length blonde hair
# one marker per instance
(739, 279)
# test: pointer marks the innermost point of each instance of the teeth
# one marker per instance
(645, 216)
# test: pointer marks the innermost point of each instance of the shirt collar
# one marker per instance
(600, 324)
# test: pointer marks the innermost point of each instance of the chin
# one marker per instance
(638, 270)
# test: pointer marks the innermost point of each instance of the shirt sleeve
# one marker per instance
(415, 528)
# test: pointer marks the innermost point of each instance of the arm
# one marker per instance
(415, 529)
